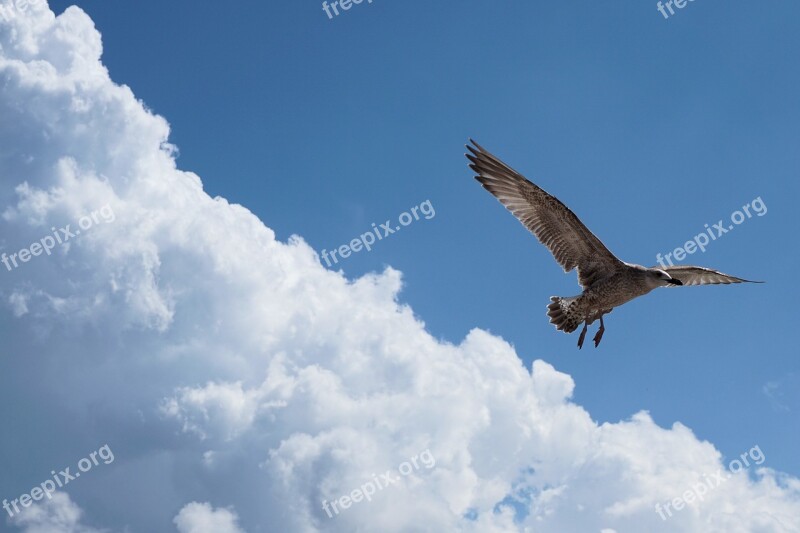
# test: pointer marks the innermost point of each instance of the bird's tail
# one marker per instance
(564, 313)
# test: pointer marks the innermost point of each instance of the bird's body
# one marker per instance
(599, 299)
(630, 282)
(607, 282)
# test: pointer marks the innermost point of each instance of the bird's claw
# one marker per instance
(583, 335)
(598, 336)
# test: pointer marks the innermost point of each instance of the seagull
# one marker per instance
(607, 282)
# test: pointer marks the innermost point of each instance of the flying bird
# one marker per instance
(607, 282)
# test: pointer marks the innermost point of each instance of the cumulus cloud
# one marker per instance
(57, 515)
(202, 518)
(225, 366)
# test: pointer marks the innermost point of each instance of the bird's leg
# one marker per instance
(583, 334)
(600, 331)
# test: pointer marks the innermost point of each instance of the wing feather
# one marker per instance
(695, 275)
(553, 223)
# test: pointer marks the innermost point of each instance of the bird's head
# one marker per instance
(660, 278)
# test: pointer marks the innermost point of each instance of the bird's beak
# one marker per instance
(675, 281)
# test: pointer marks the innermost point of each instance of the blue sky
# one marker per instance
(647, 128)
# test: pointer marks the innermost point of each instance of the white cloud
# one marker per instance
(202, 518)
(57, 515)
(245, 373)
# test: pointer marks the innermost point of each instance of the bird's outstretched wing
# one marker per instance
(570, 242)
(695, 275)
